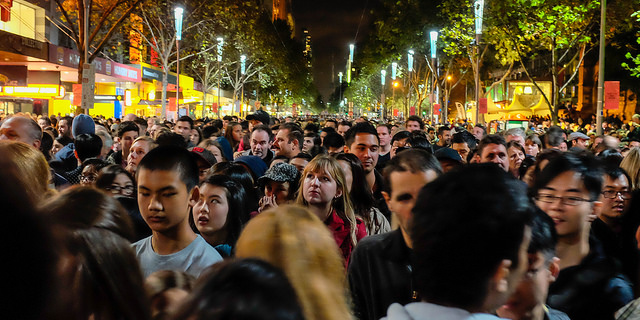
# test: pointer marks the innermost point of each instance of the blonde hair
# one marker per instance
(31, 168)
(342, 205)
(631, 164)
(152, 143)
(295, 240)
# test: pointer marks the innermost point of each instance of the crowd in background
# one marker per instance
(319, 218)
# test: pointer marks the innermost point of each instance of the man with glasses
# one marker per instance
(589, 285)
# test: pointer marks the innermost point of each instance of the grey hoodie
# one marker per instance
(430, 311)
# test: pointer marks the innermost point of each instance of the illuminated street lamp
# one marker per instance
(394, 68)
(410, 65)
(383, 76)
(350, 62)
(433, 39)
(243, 61)
(479, 10)
(178, 20)
(220, 43)
(340, 79)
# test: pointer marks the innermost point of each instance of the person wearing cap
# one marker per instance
(449, 159)
(258, 118)
(254, 165)
(578, 140)
(279, 183)
(205, 160)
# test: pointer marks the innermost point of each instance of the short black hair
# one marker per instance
(417, 119)
(303, 155)
(127, 126)
(584, 164)
(554, 136)
(328, 129)
(400, 136)
(172, 158)
(264, 128)
(411, 160)
(418, 139)
(491, 139)
(333, 140)
(171, 139)
(311, 127)
(186, 119)
(468, 220)
(617, 172)
(295, 132)
(442, 129)
(88, 145)
(362, 127)
(465, 137)
(345, 123)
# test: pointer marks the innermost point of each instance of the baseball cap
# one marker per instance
(577, 135)
(204, 154)
(261, 116)
(448, 154)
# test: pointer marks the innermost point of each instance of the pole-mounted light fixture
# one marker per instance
(220, 43)
(433, 37)
(410, 59)
(394, 69)
(243, 61)
(383, 75)
(479, 10)
(178, 15)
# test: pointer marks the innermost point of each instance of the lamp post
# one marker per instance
(603, 20)
(350, 62)
(243, 60)
(220, 43)
(479, 10)
(410, 67)
(340, 83)
(383, 76)
(178, 19)
(433, 39)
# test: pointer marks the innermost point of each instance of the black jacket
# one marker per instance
(379, 274)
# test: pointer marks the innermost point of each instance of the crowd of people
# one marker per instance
(310, 218)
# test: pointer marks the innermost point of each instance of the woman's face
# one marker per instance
(88, 175)
(515, 158)
(278, 189)
(348, 175)
(122, 185)
(319, 188)
(237, 133)
(211, 210)
(138, 150)
(307, 144)
(531, 148)
(216, 153)
(194, 137)
(56, 147)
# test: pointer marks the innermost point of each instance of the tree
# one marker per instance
(634, 66)
(105, 17)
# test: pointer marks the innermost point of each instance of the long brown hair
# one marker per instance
(342, 205)
(295, 240)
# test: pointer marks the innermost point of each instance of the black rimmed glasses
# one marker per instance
(566, 200)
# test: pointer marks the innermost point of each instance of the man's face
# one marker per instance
(445, 138)
(570, 220)
(613, 209)
(138, 150)
(405, 186)
(42, 123)
(497, 154)
(17, 130)
(413, 125)
(127, 141)
(307, 144)
(342, 129)
(365, 147)
(63, 128)
(518, 138)
(260, 143)
(462, 149)
(299, 163)
(634, 144)
(383, 134)
(580, 143)
(282, 145)
(183, 128)
(432, 134)
(163, 199)
(478, 133)
(279, 189)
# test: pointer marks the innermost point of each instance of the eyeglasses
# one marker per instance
(567, 200)
(611, 194)
(88, 177)
(116, 189)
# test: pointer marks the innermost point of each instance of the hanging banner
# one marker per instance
(77, 94)
(172, 105)
(214, 107)
(482, 108)
(395, 112)
(436, 109)
(412, 111)
(611, 95)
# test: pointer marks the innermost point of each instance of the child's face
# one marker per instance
(164, 199)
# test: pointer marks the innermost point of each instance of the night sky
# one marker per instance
(333, 25)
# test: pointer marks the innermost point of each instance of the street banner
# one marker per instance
(172, 105)
(412, 111)
(482, 108)
(214, 107)
(436, 109)
(88, 85)
(611, 95)
(395, 112)
(77, 94)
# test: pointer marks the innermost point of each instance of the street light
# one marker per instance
(220, 43)
(394, 68)
(350, 62)
(243, 61)
(479, 10)
(433, 39)
(383, 76)
(410, 65)
(340, 79)
(178, 20)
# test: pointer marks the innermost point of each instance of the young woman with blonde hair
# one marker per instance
(631, 164)
(323, 189)
(31, 167)
(295, 240)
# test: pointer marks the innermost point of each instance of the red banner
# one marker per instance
(436, 109)
(611, 95)
(214, 107)
(5, 10)
(395, 112)
(77, 94)
(482, 108)
(172, 104)
(412, 111)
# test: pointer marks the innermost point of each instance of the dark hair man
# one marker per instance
(289, 140)
(470, 233)
(554, 137)
(343, 127)
(493, 148)
(479, 131)
(379, 271)
(334, 143)
(87, 145)
(260, 141)
(444, 138)
(463, 142)
(127, 132)
(183, 127)
(64, 126)
(384, 134)
(414, 123)
(588, 286)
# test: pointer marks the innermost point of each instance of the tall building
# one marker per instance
(307, 47)
(281, 10)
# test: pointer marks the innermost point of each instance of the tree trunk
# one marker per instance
(554, 85)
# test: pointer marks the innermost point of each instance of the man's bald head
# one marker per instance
(21, 129)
